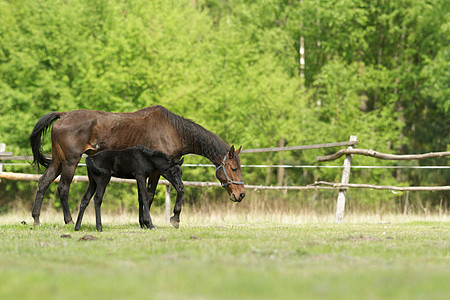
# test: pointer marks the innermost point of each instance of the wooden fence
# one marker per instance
(340, 207)
(342, 187)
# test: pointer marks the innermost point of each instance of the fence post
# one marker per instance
(340, 207)
(168, 203)
(2, 149)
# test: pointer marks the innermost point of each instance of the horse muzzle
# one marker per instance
(180, 189)
(237, 199)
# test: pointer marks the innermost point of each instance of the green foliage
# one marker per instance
(378, 70)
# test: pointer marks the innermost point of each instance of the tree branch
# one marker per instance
(368, 152)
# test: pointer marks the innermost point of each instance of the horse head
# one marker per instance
(229, 175)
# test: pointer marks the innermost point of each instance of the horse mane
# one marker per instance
(199, 140)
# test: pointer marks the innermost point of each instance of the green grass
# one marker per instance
(228, 258)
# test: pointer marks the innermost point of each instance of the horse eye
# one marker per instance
(234, 170)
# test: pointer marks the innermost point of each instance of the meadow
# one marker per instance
(226, 256)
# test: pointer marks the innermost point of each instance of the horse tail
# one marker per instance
(37, 138)
(92, 167)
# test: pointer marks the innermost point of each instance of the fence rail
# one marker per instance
(282, 166)
(383, 187)
(305, 147)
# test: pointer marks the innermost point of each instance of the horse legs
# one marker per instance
(68, 170)
(144, 202)
(44, 182)
(175, 220)
(98, 199)
(85, 202)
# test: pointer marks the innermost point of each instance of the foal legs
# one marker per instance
(44, 182)
(152, 184)
(175, 220)
(144, 213)
(98, 198)
(85, 202)
(151, 188)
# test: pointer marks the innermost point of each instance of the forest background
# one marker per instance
(376, 69)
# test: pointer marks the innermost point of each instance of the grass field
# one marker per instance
(226, 257)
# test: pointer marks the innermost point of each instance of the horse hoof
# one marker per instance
(70, 222)
(36, 223)
(147, 226)
(174, 222)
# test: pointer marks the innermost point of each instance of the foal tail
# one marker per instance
(92, 167)
(37, 137)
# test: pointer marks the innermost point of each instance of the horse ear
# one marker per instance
(180, 162)
(231, 152)
(239, 150)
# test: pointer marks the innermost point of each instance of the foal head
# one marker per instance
(173, 174)
(229, 174)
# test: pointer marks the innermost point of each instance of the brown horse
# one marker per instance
(155, 127)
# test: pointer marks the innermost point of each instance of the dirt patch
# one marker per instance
(359, 238)
(88, 237)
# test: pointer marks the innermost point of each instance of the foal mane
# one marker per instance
(151, 153)
(199, 140)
